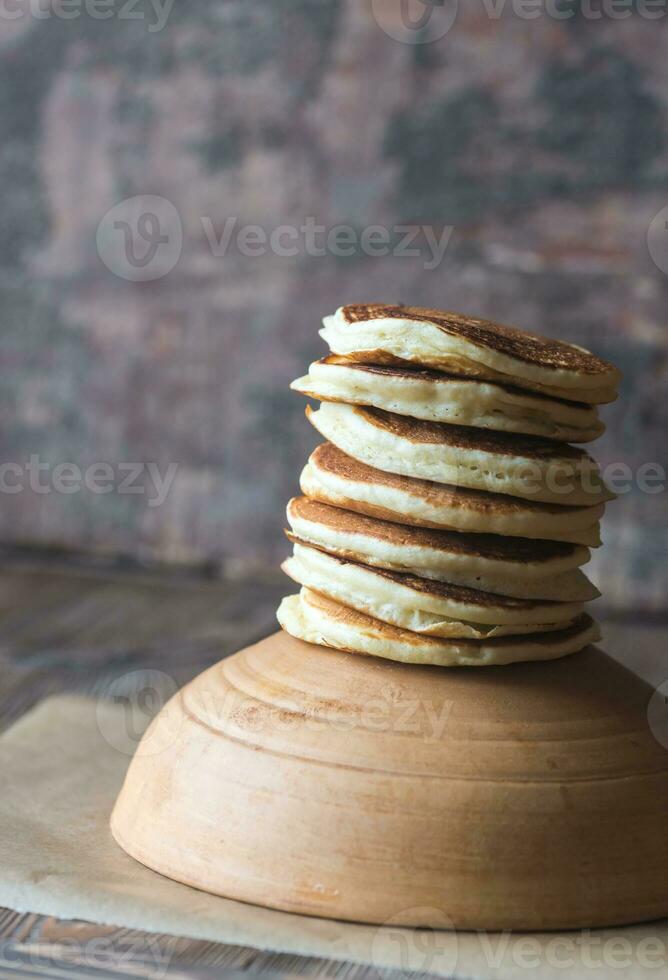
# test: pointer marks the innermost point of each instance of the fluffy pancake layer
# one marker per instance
(421, 605)
(332, 477)
(317, 619)
(505, 566)
(521, 466)
(383, 334)
(446, 518)
(438, 397)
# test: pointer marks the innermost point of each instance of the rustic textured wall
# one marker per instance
(541, 141)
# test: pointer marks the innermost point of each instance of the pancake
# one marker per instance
(334, 478)
(421, 605)
(375, 333)
(505, 566)
(438, 397)
(520, 466)
(316, 619)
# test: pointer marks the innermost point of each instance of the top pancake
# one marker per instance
(459, 344)
(521, 345)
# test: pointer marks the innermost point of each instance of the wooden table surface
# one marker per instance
(75, 626)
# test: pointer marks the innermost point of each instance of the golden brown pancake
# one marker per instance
(438, 397)
(332, 477)
(493, 546)
(460, 344)
(316, 619)
(521, 466)
(423, 605)
(526, 347)
(505, 566)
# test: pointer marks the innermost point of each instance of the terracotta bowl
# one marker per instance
(526, 797)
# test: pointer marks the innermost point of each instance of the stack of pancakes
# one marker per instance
(446, 518)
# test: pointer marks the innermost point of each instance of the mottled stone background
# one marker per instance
(542, 141)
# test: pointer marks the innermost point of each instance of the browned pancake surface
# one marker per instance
(439, 590)
(409, 373)
(465, 437)
(327, 458)
(492, 546)
(357, 619)
(527, 347)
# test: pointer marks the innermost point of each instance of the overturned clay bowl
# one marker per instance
(291, 776)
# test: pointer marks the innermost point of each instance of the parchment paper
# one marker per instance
(61, 767)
